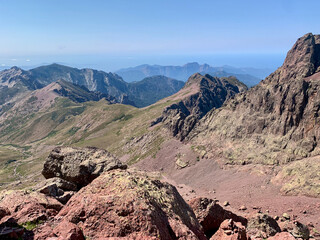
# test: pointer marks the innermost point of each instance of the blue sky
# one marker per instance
(129, 32)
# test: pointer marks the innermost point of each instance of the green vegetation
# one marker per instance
(73, 130)
(32, 99)
(31, 225)
(9, 155)
(302, 176)
(115, 127)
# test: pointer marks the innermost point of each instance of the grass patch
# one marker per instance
(31, 225)
(73, 130)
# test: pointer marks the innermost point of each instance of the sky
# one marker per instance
(109, 34)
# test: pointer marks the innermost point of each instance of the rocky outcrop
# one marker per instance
(230, 230)
(129, 204)
(78, 93)
(207, 92)
(210, 215)
(274, 122)
(295, 228)
(58, 188)
(79, 166)
(282, 236)
(262, 226)
(29, 207)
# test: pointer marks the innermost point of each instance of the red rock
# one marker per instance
(68, 231)
(230, 230)
(29, 207)
(131, 205)
(210, 214)
(282, 236)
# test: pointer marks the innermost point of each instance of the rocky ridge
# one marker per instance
(140, 94)
(200, 95)
(274, 122)
(249, 76)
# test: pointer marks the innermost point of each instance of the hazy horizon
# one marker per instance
(113, 63)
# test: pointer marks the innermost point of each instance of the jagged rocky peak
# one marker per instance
(10, 73)
(208, 81)
(303, 60)
(277, 120)
(194, 79)
(200, 94)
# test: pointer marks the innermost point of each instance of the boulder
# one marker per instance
(129, 205)
(210, 215)
(64, 198)
(262, 226)
(297, 229)
(230, 230)
(59, 182)
(79, 165)
(29, 207)
(282, 236)
(68, 231)
(58, 188)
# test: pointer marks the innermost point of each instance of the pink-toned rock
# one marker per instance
(29, 207)
(129, 205)
(210, 214)
(230, 230)
(282, 236)
(297, 229)
(68, 231)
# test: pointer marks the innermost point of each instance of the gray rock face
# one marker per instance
(278, 120)
(262, 226)
(79, 166)
(212, 92)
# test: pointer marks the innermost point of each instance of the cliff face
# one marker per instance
(276, 121)
(202, 93)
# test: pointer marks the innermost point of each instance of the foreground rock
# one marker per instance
(79, 165)
(29, 207)
(127, 204)
(262, 226)
(297, 229)
(230, 230)
(210, 215)
(282, 236)
(58, 188)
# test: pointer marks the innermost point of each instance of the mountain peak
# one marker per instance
(194, 79)
(192, 64)
(15, 68)
(303, 59)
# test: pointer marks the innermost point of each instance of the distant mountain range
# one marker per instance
(249, 76)
(16, 81)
